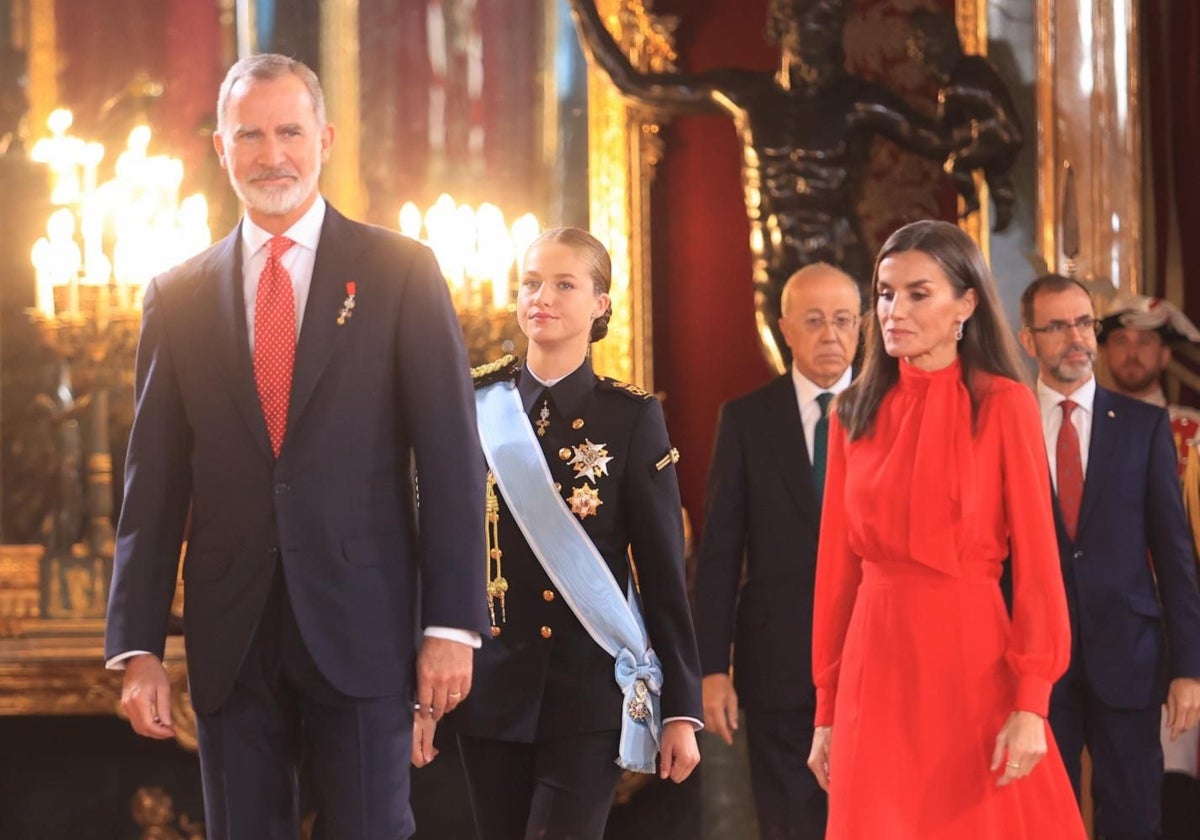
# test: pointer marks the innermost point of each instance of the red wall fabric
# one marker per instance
(705, 347)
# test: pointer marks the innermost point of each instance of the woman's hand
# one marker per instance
(1019, 746)
(818, 756)
(678, 753)
(423, 750)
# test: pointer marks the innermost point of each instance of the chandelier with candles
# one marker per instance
(480, 254)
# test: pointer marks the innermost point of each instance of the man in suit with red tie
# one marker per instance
(290, 381)
(1128, 566)
(763, 511)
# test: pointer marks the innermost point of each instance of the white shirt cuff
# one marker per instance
(454, 634)
(117, 663)
(696, 725)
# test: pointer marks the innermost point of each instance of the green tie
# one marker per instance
(821, 444)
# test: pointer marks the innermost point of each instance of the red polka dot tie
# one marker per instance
(275, 340)
(1070, 470)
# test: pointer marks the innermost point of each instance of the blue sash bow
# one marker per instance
(571, 561)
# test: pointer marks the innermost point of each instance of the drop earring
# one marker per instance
(958, 333)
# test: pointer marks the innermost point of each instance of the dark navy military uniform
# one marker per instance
(538, 731)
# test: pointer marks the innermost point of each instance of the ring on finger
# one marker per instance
(1013, 765)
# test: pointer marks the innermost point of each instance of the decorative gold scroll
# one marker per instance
(623, 148)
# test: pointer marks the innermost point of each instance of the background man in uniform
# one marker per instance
(1136, 337)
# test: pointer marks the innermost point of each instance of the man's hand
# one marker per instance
(1183, 705)
(423, 750)
(678, 753)
(720, 706)
(443, 676)
(818, 756)
(146, 697)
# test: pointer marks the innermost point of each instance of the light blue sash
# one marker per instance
(574, 566)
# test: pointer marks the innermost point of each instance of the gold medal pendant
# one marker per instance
(584, 501)
(639, 706)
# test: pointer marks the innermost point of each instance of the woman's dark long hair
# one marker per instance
(987, 344)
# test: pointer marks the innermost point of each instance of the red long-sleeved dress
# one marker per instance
(916, 662)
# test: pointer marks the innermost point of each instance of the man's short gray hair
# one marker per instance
(266, 67)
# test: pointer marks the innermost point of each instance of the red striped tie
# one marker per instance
(1070, 470)
(275, 340)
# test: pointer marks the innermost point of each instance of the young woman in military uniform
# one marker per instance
(581, 477)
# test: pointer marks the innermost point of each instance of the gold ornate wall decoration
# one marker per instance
(342, 183)
(971, 17)
(624, 145)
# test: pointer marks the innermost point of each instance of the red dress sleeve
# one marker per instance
(1039, 647)
(839, 570)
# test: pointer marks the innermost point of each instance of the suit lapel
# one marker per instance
(235, 341)
(786, 435)
(1104, 436)
(320, 332)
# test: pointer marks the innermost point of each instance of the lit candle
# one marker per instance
(44, 291)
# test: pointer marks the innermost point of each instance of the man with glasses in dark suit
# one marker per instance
(763, 512)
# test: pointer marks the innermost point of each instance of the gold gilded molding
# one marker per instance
(624, 145)
(341, 78)
(41, 33)
(56, 667)
(20, 597)
(1089, 114)
(971, 18)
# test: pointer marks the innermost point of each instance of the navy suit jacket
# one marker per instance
(1120, 604)
(762, 508)
(386, 394)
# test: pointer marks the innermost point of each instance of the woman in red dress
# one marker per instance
(931, 702)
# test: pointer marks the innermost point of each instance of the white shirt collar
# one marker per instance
(1084, 396)
(807, 390)
(306, 231)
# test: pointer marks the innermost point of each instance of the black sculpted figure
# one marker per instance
(806, 132)
(975, 105)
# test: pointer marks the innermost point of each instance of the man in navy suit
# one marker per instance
(291, 380)
(764, 511)
(1127, 562)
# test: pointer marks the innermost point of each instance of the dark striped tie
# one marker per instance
(821, 444)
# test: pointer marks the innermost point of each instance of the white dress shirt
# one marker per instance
(1081, 418)
(298, 261)
(807, 392)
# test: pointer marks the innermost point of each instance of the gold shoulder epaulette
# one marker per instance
(633, 391)
(506, 367)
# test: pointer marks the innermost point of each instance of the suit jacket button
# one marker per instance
(273, 551)
(282, 487)
(546, 632)
(547, 595)
(1078, 554)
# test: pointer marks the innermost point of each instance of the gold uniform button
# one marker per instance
(496, 631)
(564, 454)
(557, 487)
(546, 632)
(577, 423)
(547, 595)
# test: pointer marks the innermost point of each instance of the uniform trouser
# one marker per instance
(1127, 759)
(282, 713)
(789, 802)
(555, 789)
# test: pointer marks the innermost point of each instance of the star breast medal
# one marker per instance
(590, 460)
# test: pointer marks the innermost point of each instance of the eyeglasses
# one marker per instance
(1083, 324)
(841, 322)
